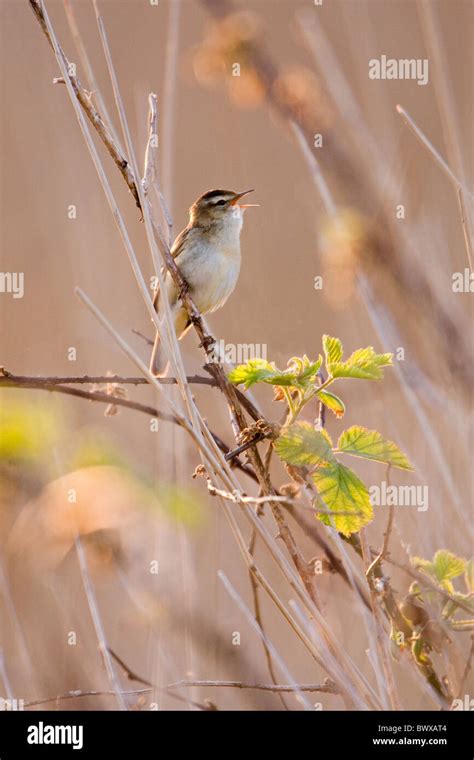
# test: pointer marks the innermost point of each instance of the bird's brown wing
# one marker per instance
(175, 251)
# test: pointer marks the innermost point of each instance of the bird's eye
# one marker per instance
(220, 203)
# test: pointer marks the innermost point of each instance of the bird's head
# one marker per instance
(218, 206)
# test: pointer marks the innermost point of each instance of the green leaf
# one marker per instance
(443, 568)
(333, 402)
(332, 350)
(301, 372)
(447, 565)
(304, 369)
(302, 445)
(342, 491)
(255, 371)
(363, 363)
(369, 444)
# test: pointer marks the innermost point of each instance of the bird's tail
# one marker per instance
(159, 364)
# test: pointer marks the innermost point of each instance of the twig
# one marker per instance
(132, 676)
(432, 150)
(328, 687)
(446, 107)
(386, 536)
(150, 172)
(145, 338)
(239, 498)
(325, 688)
(8, 379)
(257, 438)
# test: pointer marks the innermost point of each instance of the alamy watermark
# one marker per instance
(237, 353)
(403, 68)
(12, 282)
(386, 495)
(41, 733)
(11, 705)
(463, 282)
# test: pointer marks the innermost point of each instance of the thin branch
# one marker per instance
(150, 171)
(9, 379)
(432, 150)
(328, 687)
(239, 498)
(386, 537)
(324, 688)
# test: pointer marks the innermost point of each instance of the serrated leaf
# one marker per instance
(447, 565)
(442, 569)
(369, 444)
(333, 402)
(255, 371)
(332, 350)
(302, 445)
(309, 369)
(363, 363)
(342, 491)
(300, 373)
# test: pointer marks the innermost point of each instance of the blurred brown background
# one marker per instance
(179, 624)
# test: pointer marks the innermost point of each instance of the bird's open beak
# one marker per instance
(237, 198)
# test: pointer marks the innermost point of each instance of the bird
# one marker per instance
(207, 253)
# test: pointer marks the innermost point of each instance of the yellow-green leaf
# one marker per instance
(302, 445)
(301, 373)
(447, 565)
(363, 363)
(443, 568)
(333, 402)
(255, 371)
(342, 491)
(369, 444)
(332, 350)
